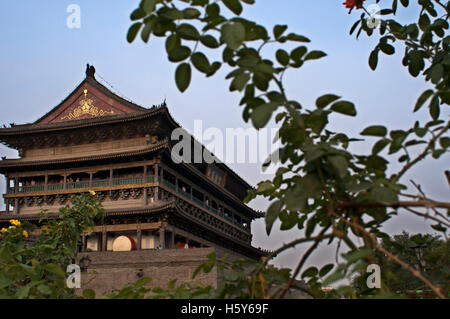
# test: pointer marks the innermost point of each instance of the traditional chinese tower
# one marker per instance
(96, 140)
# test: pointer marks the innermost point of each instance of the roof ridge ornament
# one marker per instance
(90, 71)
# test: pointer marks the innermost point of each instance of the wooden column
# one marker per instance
(104, 239)
(7, 205)
(110, 177)
(156, 195)
(172, 239)
(16, 185)
(139, 239)
(162, 237)
(46, 183)
(65, 182)
(90, 179)
(145, 189)
(16, 206)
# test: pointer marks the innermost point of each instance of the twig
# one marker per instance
(378, 246)
(426, 216)
(418, 203)
(422, 155)
(293, 244)
(302, 262)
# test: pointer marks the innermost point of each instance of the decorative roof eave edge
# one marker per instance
(108, 212)
(69, 125)
(15, 163)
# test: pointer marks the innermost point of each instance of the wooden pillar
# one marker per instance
(145, 189)
(104, 239)
(156, 195)
(139, 239)
(7, 205)
(65, 182)
(16, 206)
(172, 239)
(162, 237)
(110, 177)
(90, 179)
(46, 183)
(16, 185)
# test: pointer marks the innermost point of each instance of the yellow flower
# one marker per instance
(4, 230)
(15, 222)
(25, 233)
(92, 192)
(11, 227)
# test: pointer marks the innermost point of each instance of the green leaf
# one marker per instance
(172, 42)
(262, 113)
(133, 30)
(357, 255)
(183, 76)
(55, 269)
(324, 100)
(373, 59)
(310, 272)
(383, 195)
(209, 41)
(233, 34)
(188, 32)
(234, 5)
(179, 53)
(325, 270)
(297, 38)
(200, 61)
(434, 108)
(422, 99)
(314, 55)
(344, 107)
(298, 53)
(444, 142)
(278, 30)
(272, 214)
(149, 6)
(340, 164)
(137, 14)
(440, 228)
(239, 82)
(375, 130)
(147, 30)
(282, 57)
(387, 48)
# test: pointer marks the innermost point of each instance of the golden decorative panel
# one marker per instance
(86, 107)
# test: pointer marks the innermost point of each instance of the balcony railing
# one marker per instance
(126, 181)
(55, 187)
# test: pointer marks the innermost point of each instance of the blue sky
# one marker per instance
(42, 60)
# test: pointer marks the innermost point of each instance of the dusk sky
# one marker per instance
(42, 61)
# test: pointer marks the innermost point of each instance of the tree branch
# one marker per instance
(394, 258)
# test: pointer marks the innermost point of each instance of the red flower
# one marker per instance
(353, 3)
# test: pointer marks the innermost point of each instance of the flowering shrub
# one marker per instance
(33, 266)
